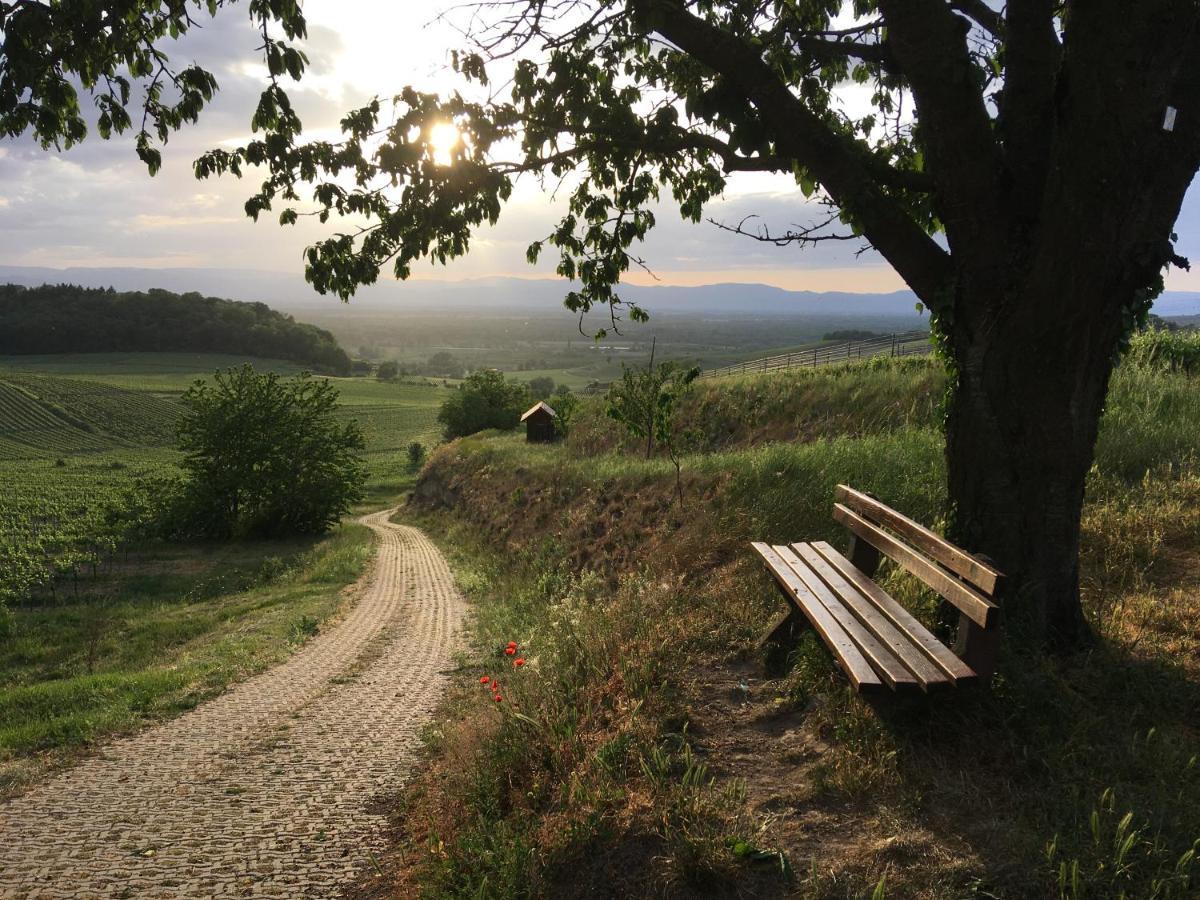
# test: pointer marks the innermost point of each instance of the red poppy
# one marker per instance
(518, 662)
(484, 680)
(497, 698)
(510, 650)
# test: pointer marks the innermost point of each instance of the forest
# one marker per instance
(69, 319)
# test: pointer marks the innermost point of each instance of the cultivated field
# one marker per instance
(106, 631)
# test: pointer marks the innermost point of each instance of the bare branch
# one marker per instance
(802, 235)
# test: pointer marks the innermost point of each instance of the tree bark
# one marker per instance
(1020, 438)
(1037, 314)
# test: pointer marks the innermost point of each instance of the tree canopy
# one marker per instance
(64, 318)
(266, 456)
(486, 399)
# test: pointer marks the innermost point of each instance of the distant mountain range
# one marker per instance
(499, 295)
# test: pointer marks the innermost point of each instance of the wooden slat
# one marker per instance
(974, 605)
(853, 663)
(902, 647)
(958, 561)
(894, 672)
(901, 617)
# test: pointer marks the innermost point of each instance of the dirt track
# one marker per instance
(268, 789)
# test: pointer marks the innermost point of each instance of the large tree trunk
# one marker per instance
(1038, 312)
(1020, 435)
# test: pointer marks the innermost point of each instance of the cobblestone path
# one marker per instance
(268, 789)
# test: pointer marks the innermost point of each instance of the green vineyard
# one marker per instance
(81, 448)
(42, 416)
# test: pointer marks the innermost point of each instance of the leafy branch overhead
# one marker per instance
(626, 101)
(113, 52)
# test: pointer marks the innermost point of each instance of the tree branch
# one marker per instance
(798, 234)
(982, 15)
(824, 51)
(1032, 55)
(929, 42)
(839, 163)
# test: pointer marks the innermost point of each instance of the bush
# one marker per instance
(541, 387)
(387, 371)
(1175, 351)
(416, 455)
(565, 404)
(266, 457)
(485, 400)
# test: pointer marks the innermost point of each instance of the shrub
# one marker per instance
(541, 387)
(416, 455)
(485, 400)
(266, 456)
(565, 404)
(1176, 351)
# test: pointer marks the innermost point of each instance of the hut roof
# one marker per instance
(537, 406)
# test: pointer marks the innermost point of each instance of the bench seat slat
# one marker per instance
(975, 606)
(934, 545)
(883, 660)
(861, 675)
(876, 621)
(900, 617)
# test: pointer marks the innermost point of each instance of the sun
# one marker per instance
(444, 138)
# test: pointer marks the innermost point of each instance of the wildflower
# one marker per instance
(484, 680)
(512, 644)
(510, 650)
(497, 698)
(519, 661)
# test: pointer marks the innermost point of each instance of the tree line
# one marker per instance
(65, 318)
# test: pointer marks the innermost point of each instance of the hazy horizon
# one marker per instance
(94, 205)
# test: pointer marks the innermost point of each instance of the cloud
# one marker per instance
(95, 204)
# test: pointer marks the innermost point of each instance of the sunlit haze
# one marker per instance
(95, 205)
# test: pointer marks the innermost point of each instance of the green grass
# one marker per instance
(156, 372)
(1075, 778)
(179, 627)
(176, 623)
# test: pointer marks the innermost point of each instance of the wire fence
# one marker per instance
(902, 343)
(907, 343)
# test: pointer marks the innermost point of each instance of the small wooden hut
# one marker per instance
(539, 423)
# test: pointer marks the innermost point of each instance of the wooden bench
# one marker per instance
(875, 639)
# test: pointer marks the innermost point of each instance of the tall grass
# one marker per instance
(1076, 777)
(1175, 351)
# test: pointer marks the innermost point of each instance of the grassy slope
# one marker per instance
(176, 627)
(650, 754)
(175, 624)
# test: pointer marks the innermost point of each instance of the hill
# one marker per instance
(68, 319)
(41, 415)
(646, 743)
(289, 291)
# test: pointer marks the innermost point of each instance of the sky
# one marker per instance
(95, 205)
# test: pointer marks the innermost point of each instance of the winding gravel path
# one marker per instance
(269, 789)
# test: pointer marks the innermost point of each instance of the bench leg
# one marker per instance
(785, 629)
(863, 556)
(978, 647)
(780, 640)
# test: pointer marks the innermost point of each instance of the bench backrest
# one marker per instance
(966, 581)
